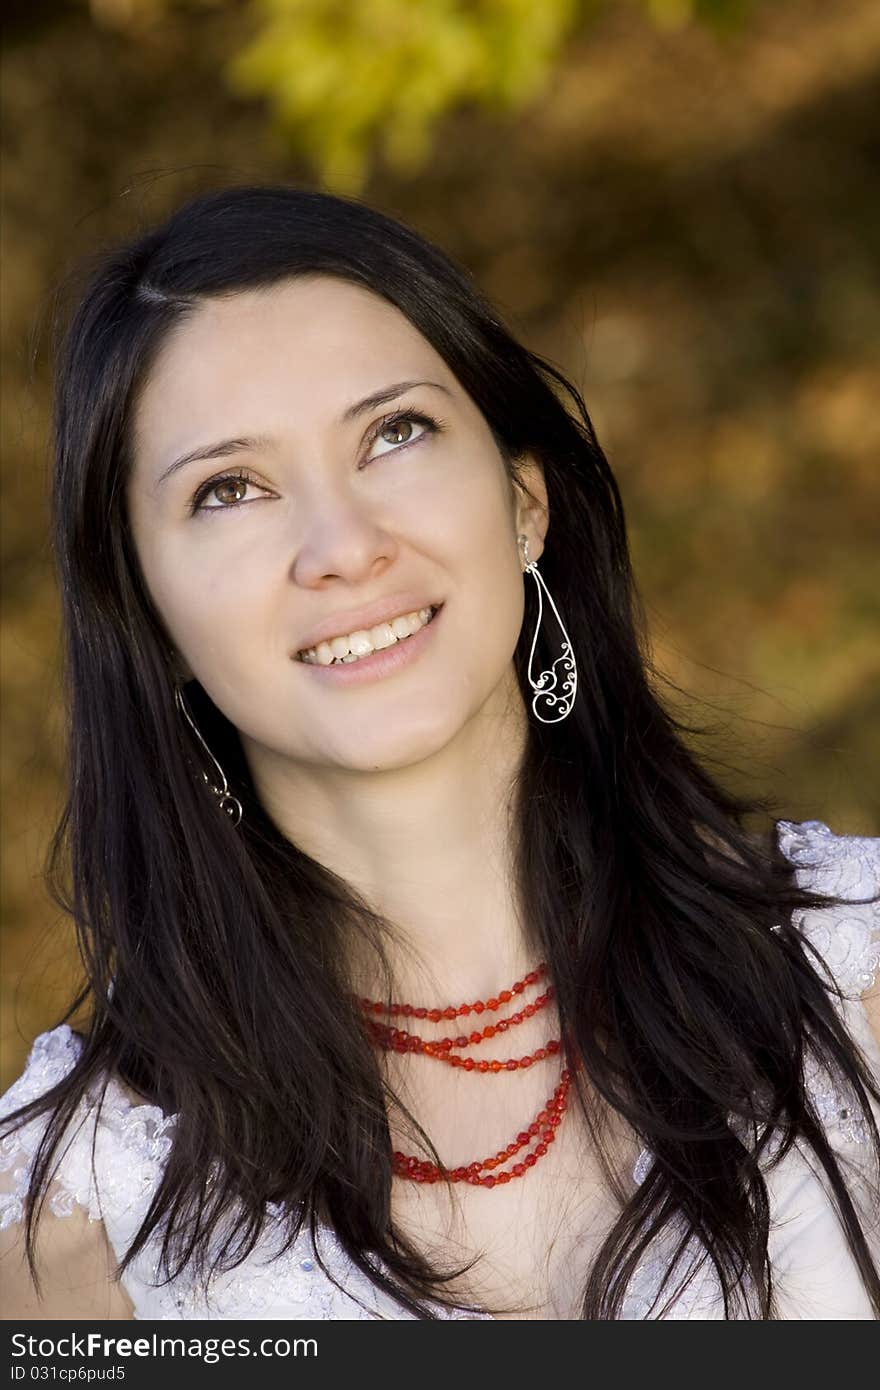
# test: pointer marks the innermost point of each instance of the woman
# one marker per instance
(429, 974)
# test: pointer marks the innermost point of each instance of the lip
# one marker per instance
(370, 615)
(378, 664)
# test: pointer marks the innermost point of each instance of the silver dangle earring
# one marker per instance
(545, 686)
(229, 804)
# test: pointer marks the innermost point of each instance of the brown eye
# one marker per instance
(223, 494)
(239, 487)
(398, 432)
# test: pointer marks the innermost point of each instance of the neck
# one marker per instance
(429, 847)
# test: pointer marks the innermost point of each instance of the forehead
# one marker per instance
(309, 344)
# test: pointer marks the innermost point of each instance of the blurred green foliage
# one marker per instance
(350, 81)
(341, 75)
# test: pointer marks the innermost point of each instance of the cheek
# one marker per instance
(491, 599)
(208, 605)
(499, 616)
(470, 527)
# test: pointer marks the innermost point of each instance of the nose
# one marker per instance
(343, 541)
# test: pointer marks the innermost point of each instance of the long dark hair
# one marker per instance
(215, 956)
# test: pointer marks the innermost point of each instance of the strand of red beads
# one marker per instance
(538, 1136)
(395, 1040)
(479, 1006)
(543, 1129)
(402, 1041)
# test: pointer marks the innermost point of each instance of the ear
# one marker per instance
(531, 512)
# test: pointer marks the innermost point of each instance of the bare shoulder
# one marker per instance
(75, 1265)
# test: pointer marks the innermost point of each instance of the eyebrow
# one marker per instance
(226, 447)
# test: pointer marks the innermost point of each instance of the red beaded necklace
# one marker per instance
(542, 1130)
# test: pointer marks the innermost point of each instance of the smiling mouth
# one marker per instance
(354, 646)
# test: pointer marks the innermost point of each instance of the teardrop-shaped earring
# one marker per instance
(229, 804)
(544, 686)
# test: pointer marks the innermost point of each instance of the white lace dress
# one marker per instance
(815, 1274)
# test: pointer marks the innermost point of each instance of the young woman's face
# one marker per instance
(341, 521)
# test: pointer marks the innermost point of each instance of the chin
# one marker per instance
(397, 742)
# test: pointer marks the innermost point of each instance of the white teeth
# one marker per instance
(359, 643)
(364, 642)
(382, 636)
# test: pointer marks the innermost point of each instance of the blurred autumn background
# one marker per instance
(677, 201)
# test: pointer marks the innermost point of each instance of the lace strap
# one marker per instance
(111, 1156)
(847, 937)
(843, 866)
(848, 940)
